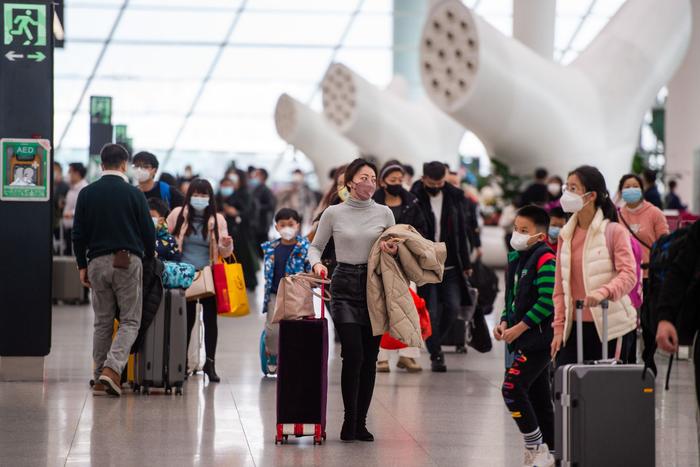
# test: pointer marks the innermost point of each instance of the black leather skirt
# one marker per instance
(349, 294)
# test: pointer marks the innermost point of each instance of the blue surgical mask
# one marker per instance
(632, 195)
(227, 191)
(554, 232)
(199, 204)
(254, 182)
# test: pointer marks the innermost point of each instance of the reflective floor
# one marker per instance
(451, 419)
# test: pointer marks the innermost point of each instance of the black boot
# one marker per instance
(437, 363)
(210, 370)
(363, 434)
(347, 433)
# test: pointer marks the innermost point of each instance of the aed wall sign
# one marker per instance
(25, 174)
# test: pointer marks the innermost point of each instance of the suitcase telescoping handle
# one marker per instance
(579, 330)
(323, 294)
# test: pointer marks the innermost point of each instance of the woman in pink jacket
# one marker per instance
(594, 263)
(646, 223)
(202, 236)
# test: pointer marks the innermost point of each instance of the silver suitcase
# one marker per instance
(66, 286)
(160, 362)
(604, 411)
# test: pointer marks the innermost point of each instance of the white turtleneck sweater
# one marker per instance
(354, 225)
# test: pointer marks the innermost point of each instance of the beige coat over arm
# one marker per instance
(390, 304)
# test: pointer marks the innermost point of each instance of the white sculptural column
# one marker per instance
(533, 25)
(308, 131)
(531, 112)
(384, 123)
(683, 120)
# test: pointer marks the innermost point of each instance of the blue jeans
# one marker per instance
(443, 301)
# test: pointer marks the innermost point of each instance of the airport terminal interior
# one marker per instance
(181, 182)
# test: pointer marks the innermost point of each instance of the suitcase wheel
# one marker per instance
(460, 349)
(178, 391)
(318, 440)
(168, 390)
(92, 382)
(145, 390)
(136, 388)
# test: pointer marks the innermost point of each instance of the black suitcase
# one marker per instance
(160, 362)
(604, 411)
(302, 378)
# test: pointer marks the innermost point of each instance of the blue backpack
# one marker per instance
(177, 275)
(165, 193)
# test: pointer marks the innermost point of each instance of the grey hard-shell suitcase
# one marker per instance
(161, 360)
(66, 286)
(604, 411)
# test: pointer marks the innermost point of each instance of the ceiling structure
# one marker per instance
(197, 82)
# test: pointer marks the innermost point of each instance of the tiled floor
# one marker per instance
(451, 419)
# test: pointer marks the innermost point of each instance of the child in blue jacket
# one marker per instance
(166, 245)
(283, 256)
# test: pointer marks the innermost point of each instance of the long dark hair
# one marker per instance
(198, 186)
(331, 197)
(593, 181)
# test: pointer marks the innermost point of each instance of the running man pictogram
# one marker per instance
(23, 22)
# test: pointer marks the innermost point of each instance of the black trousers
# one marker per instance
(359, 349)
(592, 346)
(527, 393)
(211, 327)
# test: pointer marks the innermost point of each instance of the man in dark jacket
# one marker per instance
(266, 206)
(678, 302)
(443, 206)
(537, 192)
(113, 230)
(651, 192)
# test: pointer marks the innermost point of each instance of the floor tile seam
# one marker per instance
(240, 421)
(75, 432)
(396, 420)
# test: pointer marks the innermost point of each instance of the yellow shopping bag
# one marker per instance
(232, 299)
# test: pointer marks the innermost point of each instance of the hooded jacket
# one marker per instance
(391, 307)
(411, 211)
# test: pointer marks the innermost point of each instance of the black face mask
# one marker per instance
(394, 190)
(432, 191)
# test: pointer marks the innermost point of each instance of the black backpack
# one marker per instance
(663, 253)
(486, 281)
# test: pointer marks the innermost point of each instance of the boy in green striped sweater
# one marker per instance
(526, 326)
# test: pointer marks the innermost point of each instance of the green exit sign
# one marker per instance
(101, 109)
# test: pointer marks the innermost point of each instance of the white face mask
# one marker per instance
(288, 233)
(519, 241)
(554, 189)
(571, 202)
(141, 175)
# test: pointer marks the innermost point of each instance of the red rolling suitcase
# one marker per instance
(302, 378)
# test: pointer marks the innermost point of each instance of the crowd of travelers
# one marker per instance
(571, 240)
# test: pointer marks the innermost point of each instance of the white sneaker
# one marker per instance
(540, 457)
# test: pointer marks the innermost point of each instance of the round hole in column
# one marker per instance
(428, 66)
(436, 25)
(470, 65)
(435, 83)
(448, 94)
(450, 15)
(441, 53)
(428, 43)
(458, 53)
(462, 83)
(471, 42)
(449, 71)
(450, 36)
(463, 25)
